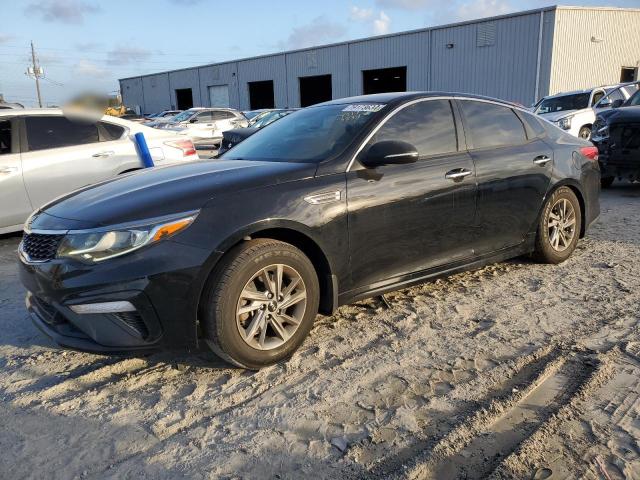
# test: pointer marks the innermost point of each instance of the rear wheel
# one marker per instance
(260, 303)
(606, 182)
(559, 227)
(585, 132)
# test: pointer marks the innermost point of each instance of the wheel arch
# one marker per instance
(297, 235)
(577, 190)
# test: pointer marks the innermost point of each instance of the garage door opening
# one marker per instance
(219, 95)
(384, 80)
(261, 95)
(184, 98)
(315, 89)
(628, 74)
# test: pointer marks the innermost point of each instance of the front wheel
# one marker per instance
(585, 132)
(260, 303)
(559, 227)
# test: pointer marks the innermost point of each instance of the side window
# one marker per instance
(204, 117)
(597, 97)
(55, 132)
(616, 95)
(222, 115)
(428, 126)
(5, 137)
(109, 131)
(491, 125)
(635, 100)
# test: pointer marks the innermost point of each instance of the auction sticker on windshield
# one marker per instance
(364, 107)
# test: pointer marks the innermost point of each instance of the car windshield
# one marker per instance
(634, 101)
(183, 116)
(310, 135)
(265, 119)
(566, 102)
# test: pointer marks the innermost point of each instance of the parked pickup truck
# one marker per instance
(616, 133)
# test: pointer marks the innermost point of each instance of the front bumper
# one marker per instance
(162, 282)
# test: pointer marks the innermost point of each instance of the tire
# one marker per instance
(549, 247)
(242, 273)
(606, 182)
(585, 133)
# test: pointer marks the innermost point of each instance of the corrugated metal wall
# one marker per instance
(504, 69)
(157, 94)
(216, 75)
(273, 68)
(410, 50)
(591, 46)
(132, 92)
(500, 57)
(319, 61)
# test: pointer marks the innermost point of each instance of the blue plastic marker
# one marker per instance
(143, 150)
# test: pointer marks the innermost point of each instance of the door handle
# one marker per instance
(103, 154)
(8, 170)
(457, 174)
(541, 160)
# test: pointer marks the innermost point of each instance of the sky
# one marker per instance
(87, 45)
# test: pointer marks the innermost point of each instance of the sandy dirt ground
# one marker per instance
(517, 370)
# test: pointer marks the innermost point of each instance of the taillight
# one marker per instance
(590, 152)
(185, 145)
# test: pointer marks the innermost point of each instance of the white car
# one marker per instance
(44, 154)
(205, 125)
(576, 111)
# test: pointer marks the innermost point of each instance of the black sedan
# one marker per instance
(331, 204)
(232, 137)
(616, 133)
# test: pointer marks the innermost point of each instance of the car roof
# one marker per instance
(399, 97)
(59, 112)
(587, 90)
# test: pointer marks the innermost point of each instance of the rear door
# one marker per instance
(513, 169)
(410, 217)
(60, 155)
(13, 195)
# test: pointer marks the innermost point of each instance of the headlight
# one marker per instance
(565, 123)
(96, 246)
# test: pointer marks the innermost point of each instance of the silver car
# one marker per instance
(44, 154)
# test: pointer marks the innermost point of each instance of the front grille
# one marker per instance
(40, 247)
(134, 320)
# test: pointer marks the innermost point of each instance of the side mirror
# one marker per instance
(193, 120)
(389, 152)
(617, 103)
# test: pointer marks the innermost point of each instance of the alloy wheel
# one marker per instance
(271, 307)
(562, 225)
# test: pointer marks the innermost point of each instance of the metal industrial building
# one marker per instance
(519, 57)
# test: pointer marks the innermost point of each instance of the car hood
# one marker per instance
(555, 116)
(623, 115)
(162, 191)
(236, 134)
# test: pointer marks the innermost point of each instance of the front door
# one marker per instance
(16, 206)
(407, 218)
(513, 170)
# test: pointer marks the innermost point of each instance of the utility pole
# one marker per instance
(36, 71)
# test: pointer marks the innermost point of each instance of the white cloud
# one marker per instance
(360, 14)
(381, 24)
(124, 55)
(320, 30)
(5, 38)
(65, 11)
(85, 68)
(406, 4)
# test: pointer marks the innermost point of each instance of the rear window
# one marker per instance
(5, 137)
(492, 125)
(109, 131)
(54, 132)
